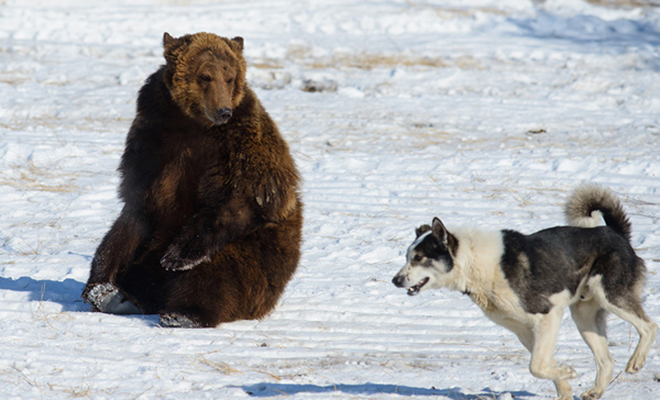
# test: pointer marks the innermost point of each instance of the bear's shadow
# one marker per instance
(66, 292)
(277, 389)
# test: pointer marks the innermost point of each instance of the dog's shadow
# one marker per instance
(281, 389)
(67, 292)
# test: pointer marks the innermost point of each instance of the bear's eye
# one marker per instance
(205, 78)
(230, 80)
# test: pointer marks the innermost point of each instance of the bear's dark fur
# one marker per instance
(210, 230)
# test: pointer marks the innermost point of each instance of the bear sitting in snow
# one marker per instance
(210, 230)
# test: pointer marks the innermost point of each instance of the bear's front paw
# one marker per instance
(172, 260)
(98, 294)
(107, 298)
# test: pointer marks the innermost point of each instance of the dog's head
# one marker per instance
(429, 260)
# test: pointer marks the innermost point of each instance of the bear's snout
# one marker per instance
(222, 115)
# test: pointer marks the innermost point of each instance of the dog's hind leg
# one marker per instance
(590, 320)
(629, 308)
(647, 331)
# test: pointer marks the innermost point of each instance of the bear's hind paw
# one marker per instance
(173, 320)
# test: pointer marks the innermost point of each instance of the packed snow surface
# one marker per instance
(481, 112)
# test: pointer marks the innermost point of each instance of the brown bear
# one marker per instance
(210, 230)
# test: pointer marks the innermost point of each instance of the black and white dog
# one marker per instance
(525, 282)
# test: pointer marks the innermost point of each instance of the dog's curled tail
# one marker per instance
(590, 201)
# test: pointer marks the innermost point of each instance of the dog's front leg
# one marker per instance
(564, 389)
(526, 337)
(542, 364)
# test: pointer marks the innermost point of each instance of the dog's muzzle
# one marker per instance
(398, 280)
(413, 290)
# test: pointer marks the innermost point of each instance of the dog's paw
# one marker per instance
(174, 320)
(566, 372)
(591, 394)
(635, 364)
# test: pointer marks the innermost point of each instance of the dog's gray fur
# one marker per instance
(525, 282)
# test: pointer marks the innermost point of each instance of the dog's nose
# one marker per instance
(398, 281)
(223, 115)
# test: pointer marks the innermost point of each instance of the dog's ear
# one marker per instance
(444, 236)
(439, 230)
(422, 230)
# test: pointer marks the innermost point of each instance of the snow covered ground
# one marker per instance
(483, 112)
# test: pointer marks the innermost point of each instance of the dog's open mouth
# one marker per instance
(413, 290)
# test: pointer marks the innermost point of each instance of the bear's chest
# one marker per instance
(180, 175)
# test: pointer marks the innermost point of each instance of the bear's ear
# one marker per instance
(170, 44)
(168, 40)
(239, 41)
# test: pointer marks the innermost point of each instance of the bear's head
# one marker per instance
(205, 74)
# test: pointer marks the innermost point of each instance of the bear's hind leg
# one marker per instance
(194, 300)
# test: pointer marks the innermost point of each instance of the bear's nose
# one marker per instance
(223, 115)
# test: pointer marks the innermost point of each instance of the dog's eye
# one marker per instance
(230, 80)
(417, 258)
(205, 78)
